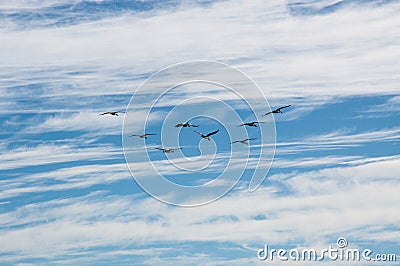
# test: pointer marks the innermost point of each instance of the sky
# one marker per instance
(68, 193)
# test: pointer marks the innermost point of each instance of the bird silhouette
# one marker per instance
(186, 125)
(143, 136)
(244, 141)
(278, 110)
(112, 113)
(207, 137)
(251, 124)
(168, 150)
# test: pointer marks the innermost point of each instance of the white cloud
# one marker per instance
(287, 56)
(35, 4)
(338, 139)
(345, 198)
(386, 109)
(23, 157)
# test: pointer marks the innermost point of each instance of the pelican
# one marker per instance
(143, 136)
(245, 141)
(278, 110)
(207, 137)
(251, 124)
(168, 150)
(185, 125)
(112, 113)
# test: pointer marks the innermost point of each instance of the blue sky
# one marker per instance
(66, 193)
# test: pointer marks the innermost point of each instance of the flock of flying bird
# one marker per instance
(204, 136)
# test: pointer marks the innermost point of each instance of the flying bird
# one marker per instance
(245, 141)
(112, 113)
(251, 124)
(278, 110)
(186, 125)
(168, 150)
(207, 137)
(143, 136)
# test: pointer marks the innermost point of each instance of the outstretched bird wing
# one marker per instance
(283, 107)
(178, 125)
(212, 133)
(150, 134)
(160, 149)
(268, 113)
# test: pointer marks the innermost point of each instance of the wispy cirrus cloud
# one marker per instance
(48, 154)
(284, 216)
(339, 139)
(300, 57)
(390, 107)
